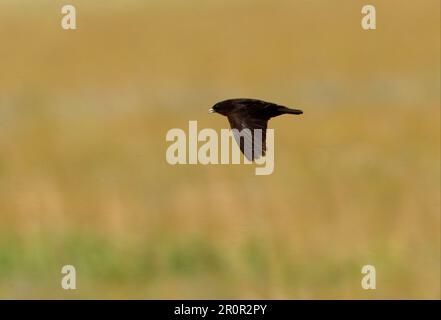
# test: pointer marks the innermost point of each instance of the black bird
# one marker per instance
(250, 114)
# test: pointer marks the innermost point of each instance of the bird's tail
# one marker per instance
(283, 110)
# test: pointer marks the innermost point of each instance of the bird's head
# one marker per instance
(222, 108)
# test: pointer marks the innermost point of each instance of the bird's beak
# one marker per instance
(211, 110)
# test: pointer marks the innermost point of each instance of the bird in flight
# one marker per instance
(246, 117)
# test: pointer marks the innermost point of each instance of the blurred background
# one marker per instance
(83, 175)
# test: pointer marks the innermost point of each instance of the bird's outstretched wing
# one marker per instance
(250, 134)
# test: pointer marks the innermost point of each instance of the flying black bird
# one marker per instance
(250, 114)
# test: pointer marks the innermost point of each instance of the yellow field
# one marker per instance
(83, 176)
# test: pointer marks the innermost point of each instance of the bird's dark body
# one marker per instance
(251, 114)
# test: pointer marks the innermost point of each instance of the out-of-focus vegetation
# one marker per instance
(83, 176)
